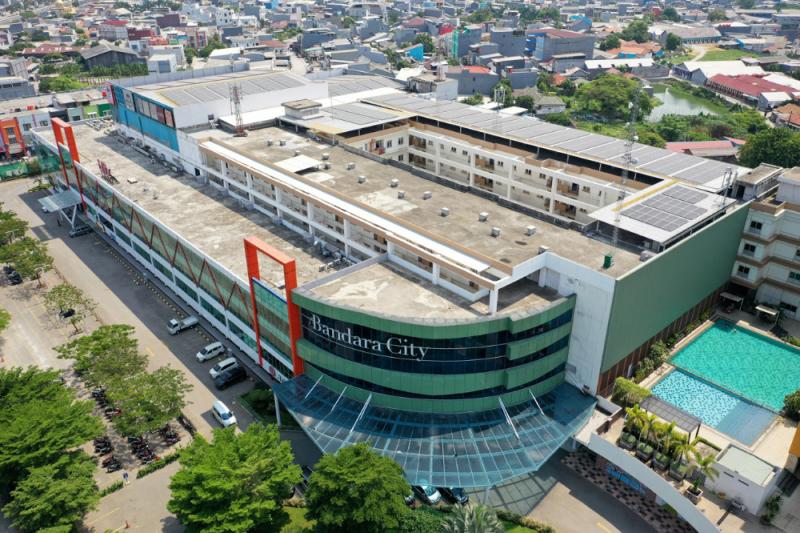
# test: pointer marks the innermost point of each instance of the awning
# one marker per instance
(298, 163)
(670, 413)
(470, 450)
(732, 297)
(61, 200)
(770, 312)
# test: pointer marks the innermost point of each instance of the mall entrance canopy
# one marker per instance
(470, 450)
(65, 203)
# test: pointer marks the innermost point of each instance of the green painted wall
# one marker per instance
(651, 297)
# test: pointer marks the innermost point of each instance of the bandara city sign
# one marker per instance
(393, 345)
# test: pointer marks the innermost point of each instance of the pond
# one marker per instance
(677, 102)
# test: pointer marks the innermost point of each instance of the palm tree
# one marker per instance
(472, 519)
(635, 417)
(665, 441)
(648, 425)
(705, 465)
(684, 449)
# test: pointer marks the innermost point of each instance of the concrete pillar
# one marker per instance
(277, 409)
(493, 294)
(436, 271)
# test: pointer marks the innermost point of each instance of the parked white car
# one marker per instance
(223, 415)
(222, 366)
(210, 351)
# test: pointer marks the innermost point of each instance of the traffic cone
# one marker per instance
(127, 526)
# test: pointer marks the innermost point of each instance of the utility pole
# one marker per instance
(236, 102)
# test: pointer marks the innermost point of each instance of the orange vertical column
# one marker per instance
(251, 257)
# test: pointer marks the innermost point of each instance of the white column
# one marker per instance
(436, 271)
(493, 294)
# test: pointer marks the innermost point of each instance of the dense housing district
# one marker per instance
(485, 247)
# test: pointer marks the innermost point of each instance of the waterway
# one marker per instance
(677, 102)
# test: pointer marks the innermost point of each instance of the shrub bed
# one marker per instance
(158, 464)
(114, 487)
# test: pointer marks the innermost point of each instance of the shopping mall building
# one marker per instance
(452, 286)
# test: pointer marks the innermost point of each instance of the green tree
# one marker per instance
(235, 483)
(356, 489)
(636, 30)
(567, 88)
(791, 405)
(59, 84)
(11, 226)
(426, 41)
(670, 13)
(148, 400)
(57, 494)
(649, 137)
(64, 297)
(717, 15)
(40, 420)
(776, 146)
(705, 465)
(213, 44)
(348, 22)
(107, 355)
(610, 42)
(190, 54)
(609, 97)
(475, 518)
(673, 42)
(526, 102)
(475, 99)
(28, 256)
(421, 522)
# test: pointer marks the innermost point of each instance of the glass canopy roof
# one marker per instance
(445, 450)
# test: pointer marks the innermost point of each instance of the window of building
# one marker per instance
(500, 164)
(794, 277)
(749, 249)
(401, 141)
(585, 188)
(743, 270)
(185, 288)
(542, 176)
(388, 144)
(453, 149)
(528, 172)
(400, 158)
(788, 307)
(756, 226)
(464, 153)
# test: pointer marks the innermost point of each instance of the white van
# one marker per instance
(222, 366)
(210, 351)
(223, 415)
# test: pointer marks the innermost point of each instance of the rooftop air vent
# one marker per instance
(326, 165)
(483, 216)
(395, 182)
(543, 249)
(646, 255)
(362, 179)
(444, 211)
(282, 142)
(351, 165)
(427, 195)
(296, 153)
(530, 231)
(495, 231)
(401, 194)
(325, 156)
(269, 142)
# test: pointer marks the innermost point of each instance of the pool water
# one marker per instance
(760, 369)
(742, 420)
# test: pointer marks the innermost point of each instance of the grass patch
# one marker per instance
(727, 55)
(677, 60)
(297, 520)
(158, 464)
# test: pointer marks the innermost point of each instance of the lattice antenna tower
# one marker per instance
(627, 161)
(236, 103)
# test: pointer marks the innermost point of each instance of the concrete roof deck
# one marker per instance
(461, 226)
(385, 289)
(210, 220)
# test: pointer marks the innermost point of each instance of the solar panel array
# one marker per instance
(529, 129)
(218, 87)
(359, 114)
(670, 209)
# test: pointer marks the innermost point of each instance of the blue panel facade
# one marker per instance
(147, 126)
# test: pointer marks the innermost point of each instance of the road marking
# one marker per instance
(603, 527)
(149, 352)
(101, 517)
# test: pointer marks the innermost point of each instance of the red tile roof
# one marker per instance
(750, 85)
(697, 145)
(115, 22)
(476, 69)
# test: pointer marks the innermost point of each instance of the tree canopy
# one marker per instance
(105, 356)
(28, 256)
(609, 97)
(670, 13)
(637, 30)
(11, 226)
(56, 494)
(65, 297)
(356, 489)
(610, 42)
(776, 146)
(673, 42)
(426, 41)
(5, 319)
(40, 420)
(235, 483)
(475, 517)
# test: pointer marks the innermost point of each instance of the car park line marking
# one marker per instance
(101, 517)
(603, 527)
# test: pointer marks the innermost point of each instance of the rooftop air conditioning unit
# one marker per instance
(401, 194)
(543, 249)
(427, 195)
(395, 182)
(282, 142)
(444, 211)
(495, 231)
(351, 165)
(326, 165)
(530, 231)
(325, 156)
(296, 153)
(483, 216)
(362, 179)
(269, 142)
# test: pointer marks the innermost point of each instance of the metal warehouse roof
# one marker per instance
(705, 173)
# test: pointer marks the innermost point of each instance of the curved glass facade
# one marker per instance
(464, 355)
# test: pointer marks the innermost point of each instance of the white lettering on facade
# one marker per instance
(393, 345)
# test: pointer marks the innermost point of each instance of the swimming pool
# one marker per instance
(760, 369)
(740, 419)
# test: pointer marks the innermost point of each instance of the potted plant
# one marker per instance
(694, 492)
(661, 461)
(644, 451)
(627, 441)
(771, 508)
